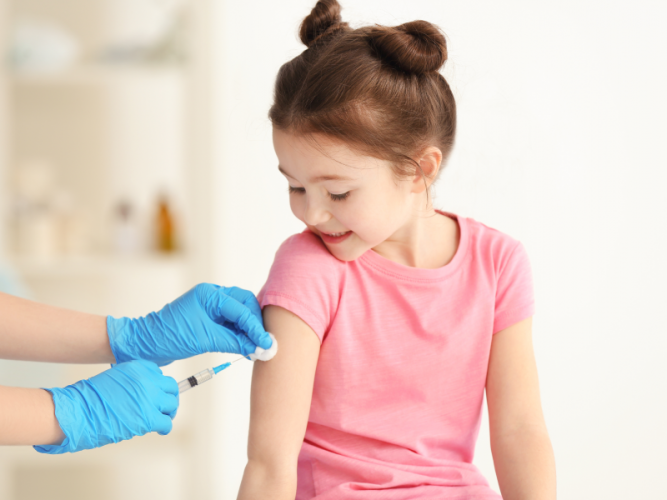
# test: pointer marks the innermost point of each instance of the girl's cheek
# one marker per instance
(296, 204)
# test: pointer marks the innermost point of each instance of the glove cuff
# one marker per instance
(64, 409)
(119, 332)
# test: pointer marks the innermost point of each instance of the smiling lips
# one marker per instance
(334, 238)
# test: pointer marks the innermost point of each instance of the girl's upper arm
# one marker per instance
(512, 387)
(281, 392)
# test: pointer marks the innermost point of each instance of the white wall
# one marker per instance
(4, 139)
(561, 145)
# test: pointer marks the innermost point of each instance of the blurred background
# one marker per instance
(136, 161)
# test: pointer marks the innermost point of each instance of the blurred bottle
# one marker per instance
(36, 221)
(37, 228)
(48, 223)
(165, 231)
(126, 232)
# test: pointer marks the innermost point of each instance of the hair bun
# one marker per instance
(416, 47)
(322, 21)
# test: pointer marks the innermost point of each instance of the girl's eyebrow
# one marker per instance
(320, 178)
(282, 171)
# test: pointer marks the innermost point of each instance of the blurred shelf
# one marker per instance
(113, 131)
(97, 265)
(99, 74)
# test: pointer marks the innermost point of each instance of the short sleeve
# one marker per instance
(514, 292)
(306, 280)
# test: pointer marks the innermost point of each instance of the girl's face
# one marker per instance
(353, 202)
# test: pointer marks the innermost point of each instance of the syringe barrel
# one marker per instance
(183, 386)
(196, 379)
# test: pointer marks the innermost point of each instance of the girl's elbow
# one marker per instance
(277, 470)
(268, 479)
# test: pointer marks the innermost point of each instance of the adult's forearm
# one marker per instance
(37, 332)
(525, 465)
(261, 481)
(27, 417)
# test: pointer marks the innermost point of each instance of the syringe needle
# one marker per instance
(203, 376)
(238, 359)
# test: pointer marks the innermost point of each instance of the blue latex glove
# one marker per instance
(130, 399)
(208, 318)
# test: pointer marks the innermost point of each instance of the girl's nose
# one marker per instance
(316, 214)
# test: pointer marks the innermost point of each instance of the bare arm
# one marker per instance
(520, 443)
(32, 331)
(280, 403)
(37, 332)
(27, 416)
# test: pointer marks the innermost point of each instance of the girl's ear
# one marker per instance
(429, 163)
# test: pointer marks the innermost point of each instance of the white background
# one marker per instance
(561, 144)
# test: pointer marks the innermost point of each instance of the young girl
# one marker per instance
(392, 318)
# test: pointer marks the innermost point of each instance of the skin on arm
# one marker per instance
(27, 417)
(37, 332)
(522, 452)
(280, 404)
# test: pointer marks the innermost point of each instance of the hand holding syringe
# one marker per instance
(206, 375)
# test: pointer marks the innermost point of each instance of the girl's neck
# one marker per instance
(428, 240)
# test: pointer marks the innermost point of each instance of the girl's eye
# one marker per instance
(339, 197)
(296, 190)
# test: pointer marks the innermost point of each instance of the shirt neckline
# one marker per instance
(401, 271)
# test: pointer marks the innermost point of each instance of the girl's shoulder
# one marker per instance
(489, 239)
(303, 262)
(306, 280)
(496, 250)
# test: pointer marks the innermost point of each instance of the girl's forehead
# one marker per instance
(320, 156)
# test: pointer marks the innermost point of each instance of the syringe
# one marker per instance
(203, 376)
(206, 375)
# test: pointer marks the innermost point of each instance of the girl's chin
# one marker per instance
(345, 254)
(346, 248)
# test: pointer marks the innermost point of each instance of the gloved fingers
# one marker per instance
(246, 346)
(168, 385)
(168, 404)
(223, 308)
(163, 425)
(255, 330)
(178, 403)
(246, 298)
(172, 414)
(148, 365)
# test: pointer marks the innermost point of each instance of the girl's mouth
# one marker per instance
(333, 238)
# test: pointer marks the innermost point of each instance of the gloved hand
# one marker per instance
(208, 318)
(130, 399)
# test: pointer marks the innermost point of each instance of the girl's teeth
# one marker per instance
(335, 235)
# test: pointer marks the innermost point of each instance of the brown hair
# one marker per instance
(375, 88)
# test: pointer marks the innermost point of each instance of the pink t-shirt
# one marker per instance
(400, 378)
